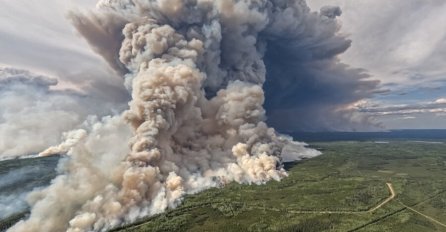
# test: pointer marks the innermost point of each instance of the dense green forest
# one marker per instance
(337, 191)
(345, 189)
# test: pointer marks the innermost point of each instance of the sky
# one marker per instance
(401, 43)
(203, 77)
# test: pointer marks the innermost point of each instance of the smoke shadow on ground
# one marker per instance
(289, 165)
(18, 177)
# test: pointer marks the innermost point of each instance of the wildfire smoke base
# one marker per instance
(195, 70)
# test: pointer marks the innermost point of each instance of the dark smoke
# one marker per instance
(196, 70)
(307, 88)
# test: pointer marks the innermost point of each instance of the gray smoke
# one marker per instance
(196, 71)
(19, 177)
(307, 88)
(33, 114)
(13, 201)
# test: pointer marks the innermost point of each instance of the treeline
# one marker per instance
(11, 220)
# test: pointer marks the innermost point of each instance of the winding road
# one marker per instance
(389, 186)
(392, 195)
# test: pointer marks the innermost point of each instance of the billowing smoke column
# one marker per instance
(195, 69)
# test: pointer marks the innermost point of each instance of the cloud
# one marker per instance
(402, 44)
(409, 115)
(435, 107)
(196, 118)
(440, 101)
(44, 41)
(307, 87)
(48, 43)
(395, 40)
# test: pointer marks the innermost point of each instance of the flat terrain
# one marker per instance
(17, 178)
(353, 186)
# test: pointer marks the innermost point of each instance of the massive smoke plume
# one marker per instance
(196, 71)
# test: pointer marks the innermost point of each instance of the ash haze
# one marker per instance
(154, 100)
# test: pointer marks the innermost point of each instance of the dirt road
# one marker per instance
(392, 195)
(424, 215)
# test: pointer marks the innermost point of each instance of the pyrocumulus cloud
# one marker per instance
(196, 70)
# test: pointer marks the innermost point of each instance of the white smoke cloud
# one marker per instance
(71, 138)
(196, 120)
(33, 114)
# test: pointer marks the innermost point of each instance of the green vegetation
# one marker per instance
(23, 175)
(333, 192)
(11, 220)
(337, 191)
(27, 173)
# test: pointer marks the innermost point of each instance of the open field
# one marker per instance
(337, 191)
(353, 186)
